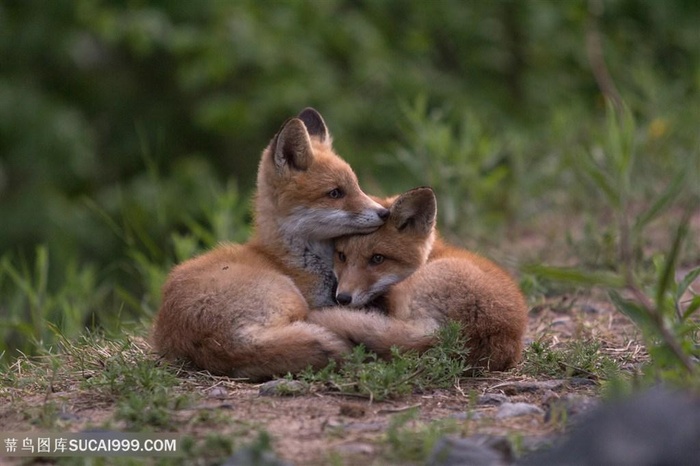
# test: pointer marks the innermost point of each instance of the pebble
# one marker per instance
(492, 399)
(478, 450)
(568, 407)
(516, 388)
(283, 387)
(508, 410)
(355, 448)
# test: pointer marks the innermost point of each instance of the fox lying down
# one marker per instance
(414, 283)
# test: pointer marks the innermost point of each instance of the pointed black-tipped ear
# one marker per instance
(414, 211)
(292, 146)
(314, 123)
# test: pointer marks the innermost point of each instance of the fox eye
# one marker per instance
(341, 256)
(336, 193)
(376, 259)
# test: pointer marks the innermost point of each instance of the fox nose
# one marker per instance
(343, 299)
(383, 214)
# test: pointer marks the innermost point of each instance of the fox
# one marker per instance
(241, 309)
(410, 283)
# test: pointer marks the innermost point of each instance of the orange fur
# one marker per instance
(240, 310)
(420, 284)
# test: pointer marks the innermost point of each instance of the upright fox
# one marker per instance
(241, 310)
(417, 284)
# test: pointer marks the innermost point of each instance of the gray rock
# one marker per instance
(355, 448)
(507, 410)
(517, 388)
(250, 456)
(283, 387)
(568, 407)
(478, 450)
(656, 428)
(492, 399)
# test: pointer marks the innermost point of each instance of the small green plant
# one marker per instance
(466, 165)
(644, 289)
(577, 358)
(667, 316)
(363, 374)
(412, 441)
(34, 311)
(150, 410)
(142, 387)
(214, 445)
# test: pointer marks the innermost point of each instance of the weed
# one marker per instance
(34, 312)
(214, 445)
(411, 441)
(662, 307)
(577, 358)
(467, 166)
(363, 374)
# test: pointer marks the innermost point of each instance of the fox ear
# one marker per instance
(314, 124)
(292, 146)
(415, 211)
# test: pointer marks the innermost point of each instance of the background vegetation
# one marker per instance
(130, 133)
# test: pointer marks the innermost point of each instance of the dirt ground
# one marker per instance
(321, 427)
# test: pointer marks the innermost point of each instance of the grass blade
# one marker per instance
(577, 276)
(636, 312)
(662, 202)
(685, 283)
(692, 307)
(668, 272)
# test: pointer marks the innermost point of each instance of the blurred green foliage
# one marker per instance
(130, 131)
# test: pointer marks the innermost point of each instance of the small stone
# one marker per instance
(516, 388)
(590, 309)
(568, 407)
(479, 450)
(374, 426)
(66, 416)
(492, 399)
(507, 410)
(355, 448)
(217, 392)
(251, 456)
(283, 387)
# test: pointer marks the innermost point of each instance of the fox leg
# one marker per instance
(377, 331)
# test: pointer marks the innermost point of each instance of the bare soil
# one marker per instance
(321, 426)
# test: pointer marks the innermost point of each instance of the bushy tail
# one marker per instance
(377, 331)
(263, 352)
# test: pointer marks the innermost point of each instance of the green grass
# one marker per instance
(410, 441)
(132, 390)
(576, 358)
(619, 197)
(363, 374)
(631, 243)
(640, 285)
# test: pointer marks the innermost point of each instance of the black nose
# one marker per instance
(383, 214)
(343, 299)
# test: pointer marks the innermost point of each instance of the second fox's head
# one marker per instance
(366, 266)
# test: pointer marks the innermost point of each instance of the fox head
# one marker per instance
(367, 265)
(307, 189)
